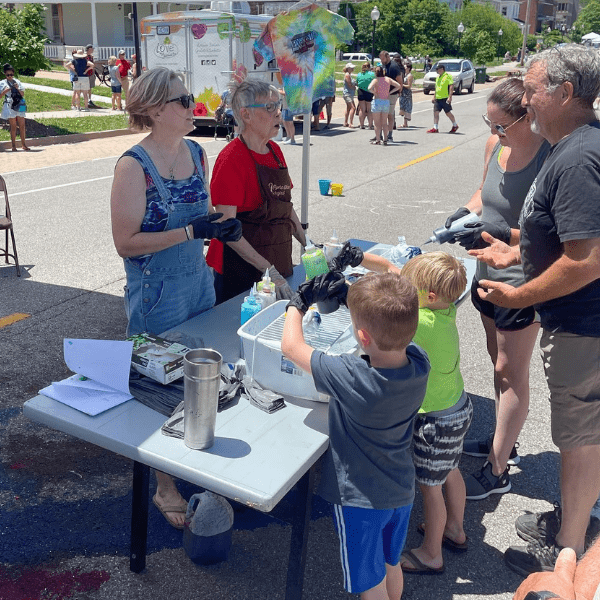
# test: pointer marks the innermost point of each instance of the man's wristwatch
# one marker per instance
(540, 596)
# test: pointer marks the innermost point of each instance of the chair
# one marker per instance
(7, 225)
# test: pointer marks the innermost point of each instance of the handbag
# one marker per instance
(22, 105)
(16, 97)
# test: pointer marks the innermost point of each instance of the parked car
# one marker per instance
(462, 72)
(359, 57)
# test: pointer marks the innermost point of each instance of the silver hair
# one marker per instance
(250, 91)
(573, 63)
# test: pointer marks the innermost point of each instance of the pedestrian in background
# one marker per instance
(392, 70)
(380, 87)
(444, 88)
(124, 66)
(11, 89)
(81, 83)
(349, 91)
(406, 100)
(89, 50)
(363, 79)
(115, 83)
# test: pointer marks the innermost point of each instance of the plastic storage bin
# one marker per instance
(261, 339)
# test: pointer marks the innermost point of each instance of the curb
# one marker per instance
(69, 139)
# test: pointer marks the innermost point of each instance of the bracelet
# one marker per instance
(187, 233)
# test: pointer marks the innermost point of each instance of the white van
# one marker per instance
(359, 57)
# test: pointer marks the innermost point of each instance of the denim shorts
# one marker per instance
(380, 106)
(116, 89)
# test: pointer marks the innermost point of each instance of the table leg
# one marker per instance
(139, 517)
(299, 541)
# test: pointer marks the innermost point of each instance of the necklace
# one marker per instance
(172, 167)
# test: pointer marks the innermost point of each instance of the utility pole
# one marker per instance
(525, 32)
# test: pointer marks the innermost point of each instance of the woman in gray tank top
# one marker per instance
(513, 157)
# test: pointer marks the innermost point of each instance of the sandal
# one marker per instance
(26, 148)
(418, 566)
(385, 142)
(448, 543)
(14, 148)
(181, 508)
(375, 143)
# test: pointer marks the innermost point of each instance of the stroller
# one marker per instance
(224, 120)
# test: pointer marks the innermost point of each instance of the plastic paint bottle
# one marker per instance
(314, 261)
(442, 234)
(266, 290)
(332, 247)
(250, 306)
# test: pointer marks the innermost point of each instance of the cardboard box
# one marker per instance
(157, 358)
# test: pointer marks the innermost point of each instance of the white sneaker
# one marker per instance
(85, 110)
(74, 107)
(290, 142)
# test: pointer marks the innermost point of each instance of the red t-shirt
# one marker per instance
(124, 66)
(234, 183)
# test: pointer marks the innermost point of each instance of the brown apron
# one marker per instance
(268, 229)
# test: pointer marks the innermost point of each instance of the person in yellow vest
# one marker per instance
(444, 87)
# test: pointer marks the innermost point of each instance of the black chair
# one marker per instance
(7, 224)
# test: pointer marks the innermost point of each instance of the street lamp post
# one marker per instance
(460, 30)
(500, 32)
(375, 14)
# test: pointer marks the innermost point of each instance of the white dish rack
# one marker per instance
(261, 340)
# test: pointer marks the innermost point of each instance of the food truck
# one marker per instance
(210, 48)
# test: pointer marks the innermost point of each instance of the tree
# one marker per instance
(588, 20)
(22, 38)
(425, 27)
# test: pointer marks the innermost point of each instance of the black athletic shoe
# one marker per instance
(484, 483)
(482, 448)
(92, 105)
(541, 528)
(532, 558)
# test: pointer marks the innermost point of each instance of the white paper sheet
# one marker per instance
(102, 375)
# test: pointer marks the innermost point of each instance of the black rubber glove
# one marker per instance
(459, 214)
(322, 287)
(229, 230)
(471, 240)
(348, 256)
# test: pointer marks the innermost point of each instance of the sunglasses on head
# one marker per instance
(185, 101)
(270, 107)
(499, 128)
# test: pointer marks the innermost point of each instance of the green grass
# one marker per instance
(45, 101)
(100, 90)
(75, 125)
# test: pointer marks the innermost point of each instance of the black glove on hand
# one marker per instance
(471, 240)
(229, 230)
(322, 287)
(348, 256)
(459, 214)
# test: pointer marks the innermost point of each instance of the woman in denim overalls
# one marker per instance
(161, 213)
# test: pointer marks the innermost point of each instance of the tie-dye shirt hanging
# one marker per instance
(303, 41)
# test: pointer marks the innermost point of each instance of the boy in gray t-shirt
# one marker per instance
(368, 472)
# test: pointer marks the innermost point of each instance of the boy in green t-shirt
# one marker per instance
(444, 87)
(444, 416)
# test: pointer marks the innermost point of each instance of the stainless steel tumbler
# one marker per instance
(201, 380)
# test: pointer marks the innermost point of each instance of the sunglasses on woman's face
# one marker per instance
(499, 128)
(270, 107)
(185, 101)
(9, 74)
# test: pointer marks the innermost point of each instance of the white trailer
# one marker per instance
(210, 48)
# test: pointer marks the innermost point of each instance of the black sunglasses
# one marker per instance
(185, 101)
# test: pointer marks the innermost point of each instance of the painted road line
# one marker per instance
(4, 321)
(422, 158)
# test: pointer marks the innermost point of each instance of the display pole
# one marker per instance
(305, 169)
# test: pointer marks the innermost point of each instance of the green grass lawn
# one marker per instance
(100, 90)
(78, 125)
(45, 101)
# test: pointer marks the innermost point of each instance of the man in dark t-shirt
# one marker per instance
(560, 252)
(393, 71)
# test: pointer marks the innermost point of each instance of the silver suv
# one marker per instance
(462, 72)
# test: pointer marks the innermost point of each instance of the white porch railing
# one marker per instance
(103, 53)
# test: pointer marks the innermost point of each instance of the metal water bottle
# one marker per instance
(201, 381)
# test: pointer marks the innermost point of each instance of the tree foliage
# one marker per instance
(588, 20)
(22, 38)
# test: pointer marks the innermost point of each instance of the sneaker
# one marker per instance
(432, 130)
(290, 142)
(482, 448)
(532, 558)
(454, 129)
(484, 483)
(389, 137)
(541, 528)
(74, 107)
(85, 110)
(92, 105)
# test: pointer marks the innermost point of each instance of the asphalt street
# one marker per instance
(65, 504)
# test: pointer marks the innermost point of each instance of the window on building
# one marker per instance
(504, 11)
(55, 23)
(127, 22)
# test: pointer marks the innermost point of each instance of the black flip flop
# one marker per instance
(421, 568)
(448, 543)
